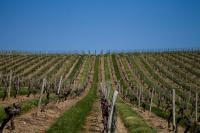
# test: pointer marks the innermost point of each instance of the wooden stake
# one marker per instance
(174, 109)
(112, 109)
(188, 101)
(196, 110)
(60, 82)
(139, 96)
(151, 99)
(18, 84)
(141, 93)
(109, 88)
(119, 88)
(41, 93)
(9, 88)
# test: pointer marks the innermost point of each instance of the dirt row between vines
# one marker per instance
(120, 127)
(32, 123)
(158, 123)
(94, 121)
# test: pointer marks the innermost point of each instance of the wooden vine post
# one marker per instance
(196, 108)
(188, 101)
(41, 94)
(174, 110)
(59, 86)
(119, 87)
(101, 86)
(151, 100)
(10, 84)
(108, 90)
(112, 111)
(139, 96)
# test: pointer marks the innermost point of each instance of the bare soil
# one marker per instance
(94, 122)
(120, 126)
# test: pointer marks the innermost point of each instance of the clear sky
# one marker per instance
(67, 25)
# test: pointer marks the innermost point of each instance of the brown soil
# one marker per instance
(120, 126)
(94, 122)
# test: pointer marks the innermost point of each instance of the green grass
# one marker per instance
(117, 73)
(133, 121)
(77, 66)
(22, 91)
(106, 68)
(85, 70)
(2, 114)
(72, 121)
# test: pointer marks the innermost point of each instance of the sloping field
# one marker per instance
(73, 93)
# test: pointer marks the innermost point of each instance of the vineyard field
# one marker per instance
(114, 92)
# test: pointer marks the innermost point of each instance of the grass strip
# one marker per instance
(132, 120)
(117, 73)
(72, 121)
(22, 91)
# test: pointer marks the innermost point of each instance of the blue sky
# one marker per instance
(67, 25)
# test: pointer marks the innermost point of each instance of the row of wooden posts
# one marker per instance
(173, 103)
(42, 90)
(60, 82)
(44, 82)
